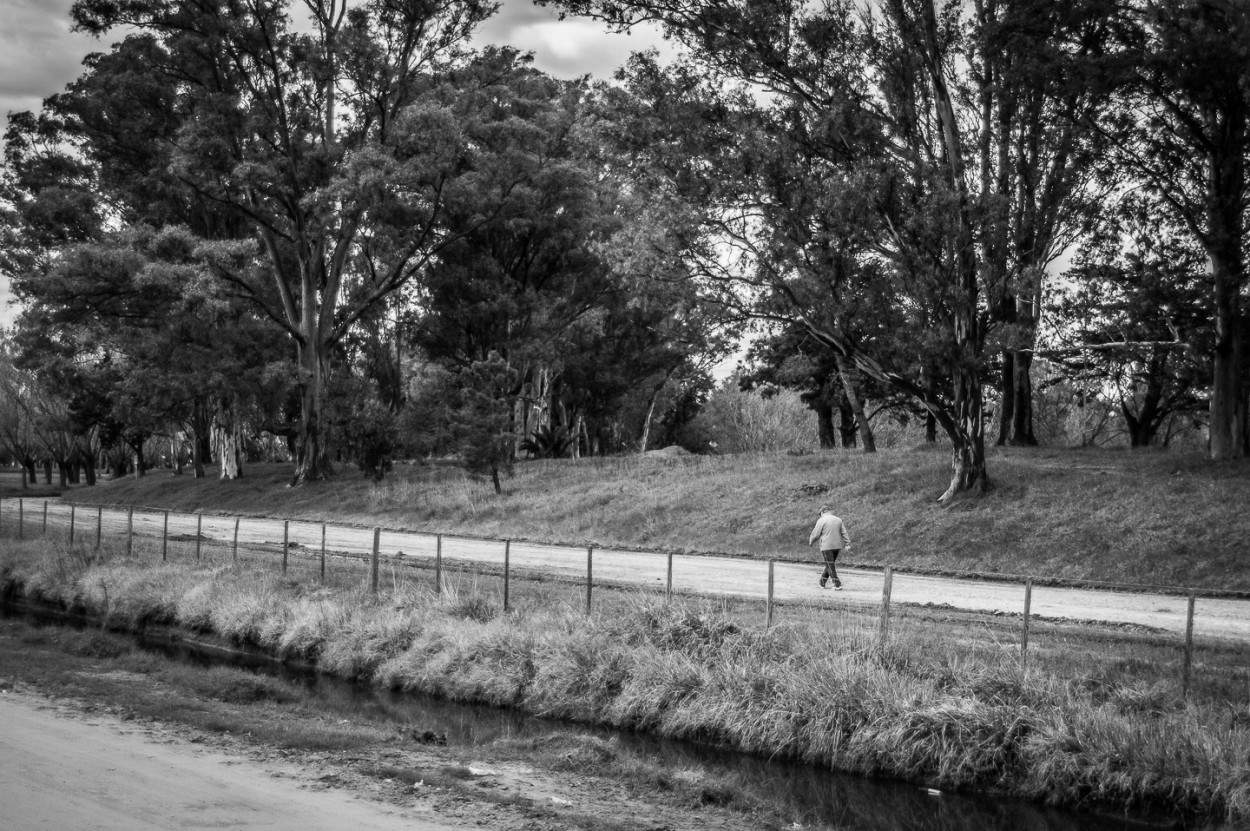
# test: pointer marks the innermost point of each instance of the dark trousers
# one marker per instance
(831, 556)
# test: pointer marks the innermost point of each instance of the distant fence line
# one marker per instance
(87, 525)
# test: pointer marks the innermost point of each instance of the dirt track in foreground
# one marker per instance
(1214, 618)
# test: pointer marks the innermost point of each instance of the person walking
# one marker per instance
(831, 532)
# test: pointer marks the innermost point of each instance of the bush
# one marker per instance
(737, 421)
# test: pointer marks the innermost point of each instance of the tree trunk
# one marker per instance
(201, 438)
(1006, 397)
(967, 435)
(1225, 238)
(228, 439)
(1144, 425)
(47, 471)
(646, 425)
(88, 469)
(930, 422)
(850, 385)
(655, 396)
(494, 477)
(311, 460)
(824, 424)
(1022, 401)
(847, 430)
(577, 436)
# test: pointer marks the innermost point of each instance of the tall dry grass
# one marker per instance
(826, 693)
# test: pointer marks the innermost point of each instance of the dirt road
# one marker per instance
(59, 771)
(1217, 619)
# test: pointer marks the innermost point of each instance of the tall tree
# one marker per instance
(565, 285)
(1131, 318)
(334, 145)
(875, 102)
(1180, 129)
(1034, 77)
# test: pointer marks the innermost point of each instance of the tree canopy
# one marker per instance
(343, 228)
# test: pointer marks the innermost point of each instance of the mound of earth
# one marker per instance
(670, 451)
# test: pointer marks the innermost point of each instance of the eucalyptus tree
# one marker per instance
(1035, 80)
(17, 429)
(1132, 320)
(329, 142)
(1180, 129)
(564, 285)
(895, 174)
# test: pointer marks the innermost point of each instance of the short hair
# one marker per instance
(826, 509)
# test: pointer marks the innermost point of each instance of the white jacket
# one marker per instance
(832, 533)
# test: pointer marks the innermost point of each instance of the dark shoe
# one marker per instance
(838, 588)
(823, 580)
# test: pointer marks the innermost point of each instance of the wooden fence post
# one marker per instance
(323, 552)
(885, 604)
(165, 538)
(438, 565)
(1028, 614)
(99, 525)
(234, 545)
(72, 516)
(590, 571)
(1189, 647)
(668, 586)
(373, 568)
(768, 622)
(286, 534)
(130, 529)
(507, 567)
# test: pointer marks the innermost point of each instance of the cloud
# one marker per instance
(565, 48)
(39, 54)
(8, 312)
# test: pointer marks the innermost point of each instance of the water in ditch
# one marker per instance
(821, 798)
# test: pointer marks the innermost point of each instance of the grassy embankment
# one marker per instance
(817, 689)
(12, 486)
(1153, 517)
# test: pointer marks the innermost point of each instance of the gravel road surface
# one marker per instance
(1220, 619)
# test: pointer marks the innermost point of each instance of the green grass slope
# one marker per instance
(1149, 517)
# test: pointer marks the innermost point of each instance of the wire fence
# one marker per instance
(1174, 635)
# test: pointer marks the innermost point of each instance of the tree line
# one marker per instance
(345, 227)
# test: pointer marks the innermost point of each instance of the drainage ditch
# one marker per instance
(823, 798)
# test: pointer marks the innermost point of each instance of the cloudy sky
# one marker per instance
(39, 54)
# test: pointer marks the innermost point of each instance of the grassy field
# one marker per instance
(1154, 517)
(936, 705)
(11, 486)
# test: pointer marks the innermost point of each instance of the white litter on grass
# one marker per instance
(482, 772)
